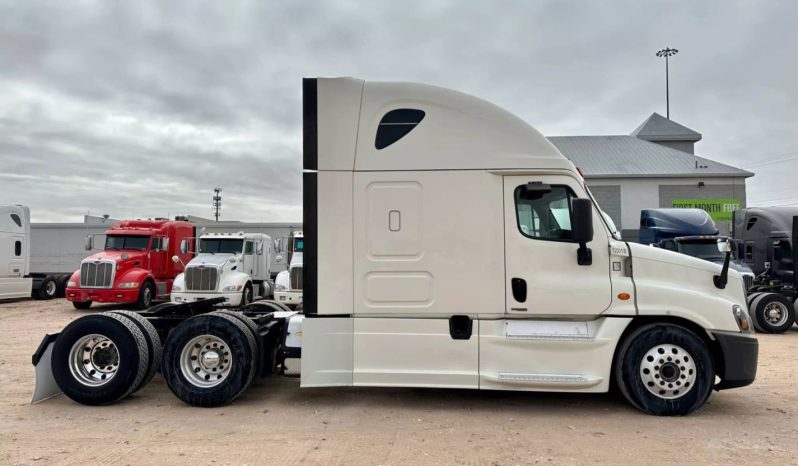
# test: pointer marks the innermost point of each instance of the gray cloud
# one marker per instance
(141, 108)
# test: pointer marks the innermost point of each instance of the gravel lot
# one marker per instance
(275, 422)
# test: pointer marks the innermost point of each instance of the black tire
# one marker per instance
(82, 305)
(750, 298)
(131, 357)
(253, 328)
(246, 295)
(62, 285)
(631, 360)
(146, 295)
(242, 366)
(153, 345)
(750, 301)
(773, 313)
(283, 307)
(48, 288)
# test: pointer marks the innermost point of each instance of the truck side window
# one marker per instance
(18, 248)
(545, 216)
(16, 219)
(749, 251)
(248, 247)
(156, 244)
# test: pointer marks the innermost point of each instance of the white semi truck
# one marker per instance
(233, 266)
(288, 284)
(16, 278)
(405, 187)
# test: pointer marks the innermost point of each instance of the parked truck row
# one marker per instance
(404, 186)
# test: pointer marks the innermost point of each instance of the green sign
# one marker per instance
(718, 209)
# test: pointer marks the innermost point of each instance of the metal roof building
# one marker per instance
(655, 166)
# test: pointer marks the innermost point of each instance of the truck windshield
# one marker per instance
(707, 250)
(221, 246)
(299, 244)
(135, 242)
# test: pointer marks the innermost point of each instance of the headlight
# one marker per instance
(743, 319)
(129, 285)
(232, 288)
(176, 288)
(280, 288)
(71, 284)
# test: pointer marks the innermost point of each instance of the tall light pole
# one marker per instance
(667, 52)
(217, 202)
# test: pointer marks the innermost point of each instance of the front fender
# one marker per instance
(232, 278)
(132, 275)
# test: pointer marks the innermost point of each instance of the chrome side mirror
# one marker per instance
(724, 245)
(278, 259)
(183, 247)
(89, 242)
(175, 259)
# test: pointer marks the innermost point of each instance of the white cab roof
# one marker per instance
(457, 132)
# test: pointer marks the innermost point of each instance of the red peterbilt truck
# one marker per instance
(135, 265)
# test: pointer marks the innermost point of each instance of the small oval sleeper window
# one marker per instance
(395, 125)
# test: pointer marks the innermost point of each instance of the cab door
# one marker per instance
(249, 258)
(543, 276)
(157, 257)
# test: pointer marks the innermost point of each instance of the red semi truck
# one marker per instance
(135, 265)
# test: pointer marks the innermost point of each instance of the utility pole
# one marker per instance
(217, 202)
(667, 52)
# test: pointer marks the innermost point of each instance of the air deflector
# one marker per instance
(396, 124)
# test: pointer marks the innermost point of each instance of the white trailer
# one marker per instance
(406, 186)
(16, 278)
(288, 284)
(233, 266)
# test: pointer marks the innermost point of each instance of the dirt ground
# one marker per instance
(276, 423)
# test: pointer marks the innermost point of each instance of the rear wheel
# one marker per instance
(81, 304)
(146, 295)
(210, 359)
(153, 345)
(48, 289)
(99, 359)
(773, 312)
(665, 370)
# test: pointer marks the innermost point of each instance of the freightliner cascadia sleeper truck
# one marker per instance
(406, 186)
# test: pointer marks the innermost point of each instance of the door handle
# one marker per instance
(519, 289)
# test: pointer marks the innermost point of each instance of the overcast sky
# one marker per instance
(139, 109)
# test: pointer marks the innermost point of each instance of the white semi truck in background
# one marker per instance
(288, 284)
(233, 266)
(16, 278)
(406, 186)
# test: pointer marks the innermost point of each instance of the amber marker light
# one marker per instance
(624, 296)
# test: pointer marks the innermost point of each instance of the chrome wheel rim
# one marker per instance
(50, 288)
(205, 361)
(775, 314)
(94, 360)
(668, 371)
(147, 296)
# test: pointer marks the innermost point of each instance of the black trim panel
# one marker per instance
(310, 124)
(310, 256)
(48, 338)
(740, 355)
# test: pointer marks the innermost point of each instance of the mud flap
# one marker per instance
(42, 362)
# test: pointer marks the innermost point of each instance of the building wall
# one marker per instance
(637, 194)
(609, 198)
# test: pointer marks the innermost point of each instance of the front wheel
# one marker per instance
(773, 312)
(665, 370)
(246, 295)
(82, 305)
(146, 295)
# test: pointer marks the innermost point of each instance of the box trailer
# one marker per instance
(17, 280)
(405, 187)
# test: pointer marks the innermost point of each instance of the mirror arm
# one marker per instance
(722, 279)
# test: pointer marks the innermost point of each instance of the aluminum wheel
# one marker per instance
(51, 288)
(205, 361)
(668, 371)
(93, 360)
(776, 314)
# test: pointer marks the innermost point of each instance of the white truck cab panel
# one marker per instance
(15, 252)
